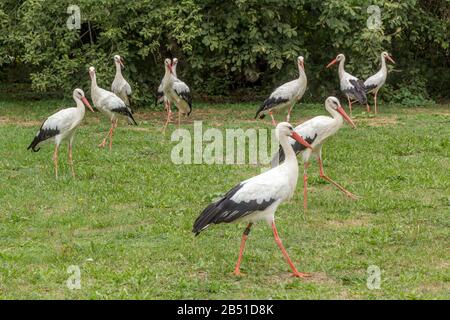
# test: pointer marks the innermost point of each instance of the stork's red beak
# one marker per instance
(121, 63)
(300, 139)
(170, 68)
(86, 103)
(390, 59)
(331, 63)
(346, 117)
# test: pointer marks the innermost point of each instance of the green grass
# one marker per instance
(126, 218)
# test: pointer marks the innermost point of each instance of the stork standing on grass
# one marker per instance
(351, 86)
(375, 82)
(285, 95)
(315, 132)
(110, 105)
(160, 97)
(176, 92)
(120, 86)
(60, 126)
(259, 197)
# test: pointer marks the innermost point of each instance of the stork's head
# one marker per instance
(338, 58)
(92, 72)
(285, 129)
(119, 60)
(386, 55)
(300, 62)
(174, 62)
(334, 104)
(78, 94)
(168, 64)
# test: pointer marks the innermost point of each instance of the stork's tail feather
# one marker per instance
(131, 118)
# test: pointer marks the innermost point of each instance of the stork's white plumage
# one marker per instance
(110, 105)
(375, 82)
(60, 126)
(160, 98)
(176, 92)
(285, 95)
(259, 197)
(351, 86)
(120, 86)
(315, 131)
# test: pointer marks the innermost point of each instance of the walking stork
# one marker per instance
(120, 86)
(285, 95)
(160, 97)
(351, 86)
(110, 105)
(315, 131)
(374, 83)
(259, 197)
(60, 126)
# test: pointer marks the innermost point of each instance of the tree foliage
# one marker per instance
(227, 47)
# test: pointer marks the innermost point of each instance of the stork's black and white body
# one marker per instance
(120, 86)
(60, 126)
(315, 131)
(258, 198)
(110, 105)
(351, 86)
(176, 92)
(375, 82)
(160, 98)
(286, 95)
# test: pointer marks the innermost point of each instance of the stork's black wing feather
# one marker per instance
(125, 111)
(358, 91)
(42, 135)
(227, 210)
(268, 104)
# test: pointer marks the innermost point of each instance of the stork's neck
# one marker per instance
(288, 150)
(118, 69)
(174, 70)
(94, 82)
(168, 79)
(338, 118)
(341, 67)
(80, 105)
(383, 64)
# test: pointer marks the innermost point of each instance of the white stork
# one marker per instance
(62, 125)
(375, 82)
(285, 95)
(315, 131)
(160, 97)
(351, 86)
(110, 105)
(120, 86)
(259, 197)
(176, 92)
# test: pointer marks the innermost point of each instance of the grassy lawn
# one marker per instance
(126, 218)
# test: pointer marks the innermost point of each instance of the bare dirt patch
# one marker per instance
(348, 223)
(19, 122)
(378, 121)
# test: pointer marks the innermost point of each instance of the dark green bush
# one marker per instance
(240, 47)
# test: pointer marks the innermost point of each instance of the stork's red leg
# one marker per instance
(305, 184)
(322, 175)
(103, 144)
(169, 116)
(241, 250)
(368, 107)
(285, 254)
(114, 125)
(375, 101)
(71, 159)
(349, 105)
(55, 160)
(273, 119)
(288, 118)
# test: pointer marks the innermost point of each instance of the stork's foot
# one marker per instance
(103, 144)
(237, 273)
(301, 275)
(351, 195)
